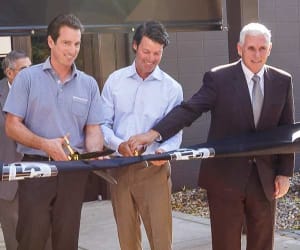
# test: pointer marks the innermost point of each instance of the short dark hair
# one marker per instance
(11, 58)
(153, 30)
(68, 20)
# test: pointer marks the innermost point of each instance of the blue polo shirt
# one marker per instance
(53, 109)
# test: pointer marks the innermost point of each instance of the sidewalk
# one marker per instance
(98, 231)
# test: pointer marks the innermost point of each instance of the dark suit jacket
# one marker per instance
(8, 151)
(225, 94)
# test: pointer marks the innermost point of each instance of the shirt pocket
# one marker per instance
(79, 106)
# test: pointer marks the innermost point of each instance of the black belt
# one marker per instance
(36, 158)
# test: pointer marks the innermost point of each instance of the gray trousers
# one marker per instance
(9, 220)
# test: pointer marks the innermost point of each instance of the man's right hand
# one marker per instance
(54, 148)
(124, 149)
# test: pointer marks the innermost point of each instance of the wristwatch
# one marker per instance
(159, 139)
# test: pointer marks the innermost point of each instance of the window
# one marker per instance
(28, 16)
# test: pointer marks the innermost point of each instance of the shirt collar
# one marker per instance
(47, 66)
(155, 75)
(249, 74)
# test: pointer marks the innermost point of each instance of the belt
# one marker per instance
(252, 161)
(36, 158)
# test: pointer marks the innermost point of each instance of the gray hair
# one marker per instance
(11, 58)
(255, 29)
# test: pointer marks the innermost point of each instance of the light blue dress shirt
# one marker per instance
(131, 105)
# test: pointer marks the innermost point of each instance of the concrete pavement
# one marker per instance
(98, 231)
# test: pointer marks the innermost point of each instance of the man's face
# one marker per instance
(66, 48)
(18, 66)
(148, 56)
(254, 52)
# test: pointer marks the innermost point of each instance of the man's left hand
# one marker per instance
(159, 163)
(282, 185)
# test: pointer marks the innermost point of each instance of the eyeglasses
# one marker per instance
(18, 69)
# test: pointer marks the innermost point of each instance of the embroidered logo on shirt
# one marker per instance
(79, 99)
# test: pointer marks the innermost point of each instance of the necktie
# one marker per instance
(257, 99)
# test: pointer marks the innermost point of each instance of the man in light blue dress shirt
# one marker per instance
(134, 99)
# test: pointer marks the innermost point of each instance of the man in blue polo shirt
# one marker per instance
(54, 99)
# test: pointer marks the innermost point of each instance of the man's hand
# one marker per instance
(159, 163)
(282, 185)
(54, 148)
(124, 149)
(142, 139)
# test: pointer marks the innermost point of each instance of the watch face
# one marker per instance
(159, 138)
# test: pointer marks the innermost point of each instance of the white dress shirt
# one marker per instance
(131, 106)
(249, 74)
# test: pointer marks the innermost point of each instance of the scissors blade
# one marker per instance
(95, 154)
(106, 176)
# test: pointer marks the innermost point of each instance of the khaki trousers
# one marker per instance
(143, 193)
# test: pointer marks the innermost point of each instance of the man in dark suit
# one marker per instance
(11, 65)
(244, 96)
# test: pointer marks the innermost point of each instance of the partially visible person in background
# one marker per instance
(15, 61)
(134, 99)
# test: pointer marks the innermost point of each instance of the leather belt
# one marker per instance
(36, 158)
(252, 161)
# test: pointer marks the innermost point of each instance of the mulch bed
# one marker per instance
(194, 202)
